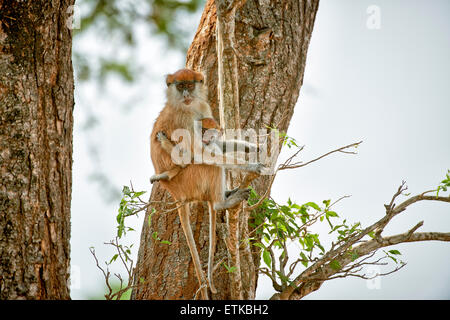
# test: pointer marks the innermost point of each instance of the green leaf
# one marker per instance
(304, 259)
(138, 194)
(229, 269)
(331, 214)
(335, 265)
(149, 220)
(113, 258)
(166, 242)
(394, 252)
(282, 277)
(444, 184)
(309, 241)
(395, 260)
(119, 217)
(126, 190)
(258, 244)
(313, 205)
(267, 258)
(120, 230)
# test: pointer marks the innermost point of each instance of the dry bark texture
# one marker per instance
(36, 104)
(271, 41)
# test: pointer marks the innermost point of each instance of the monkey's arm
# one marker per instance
(167, 146)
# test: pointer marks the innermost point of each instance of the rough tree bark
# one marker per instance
(36, 104)
(271, 42)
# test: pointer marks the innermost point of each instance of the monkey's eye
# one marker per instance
(181, 86)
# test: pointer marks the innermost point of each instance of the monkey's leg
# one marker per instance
(184, 219)
(166, 175)
(212, 245)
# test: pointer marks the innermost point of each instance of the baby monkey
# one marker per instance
(210, 133)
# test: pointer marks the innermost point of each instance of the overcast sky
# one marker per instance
(384, 81)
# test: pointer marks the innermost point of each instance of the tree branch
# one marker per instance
(312, 278)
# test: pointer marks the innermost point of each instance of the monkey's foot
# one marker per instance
(243, 194)
(233, 200)
(158, 177)
(255, 167)
(230, 192)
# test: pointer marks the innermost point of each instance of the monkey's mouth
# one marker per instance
(187, 100)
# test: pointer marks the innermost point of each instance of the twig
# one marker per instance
(322, 156)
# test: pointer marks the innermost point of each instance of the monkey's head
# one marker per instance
(185, 87)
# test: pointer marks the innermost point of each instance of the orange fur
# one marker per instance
(184, 75)
(210, 123)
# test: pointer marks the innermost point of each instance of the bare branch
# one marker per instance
(342, 149)
(289, 165)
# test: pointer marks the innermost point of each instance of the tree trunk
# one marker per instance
(36, 104)
(271, 40)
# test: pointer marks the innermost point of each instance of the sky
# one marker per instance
(376, 71)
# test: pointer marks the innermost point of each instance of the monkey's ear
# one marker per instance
(169, 79)
(199, 77)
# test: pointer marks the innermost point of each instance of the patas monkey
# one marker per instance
(186, 105)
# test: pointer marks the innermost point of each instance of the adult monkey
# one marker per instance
(186, 104)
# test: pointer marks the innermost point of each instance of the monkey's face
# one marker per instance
(185, 90)
(185, 87)
(186, 93)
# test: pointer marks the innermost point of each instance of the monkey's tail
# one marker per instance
(184, 213)
(212, 245)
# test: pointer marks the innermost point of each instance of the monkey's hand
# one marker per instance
(158, 177)
(161, 136)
